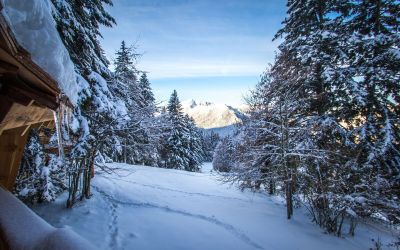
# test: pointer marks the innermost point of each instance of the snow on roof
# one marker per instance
(35, 29)
(23, 229)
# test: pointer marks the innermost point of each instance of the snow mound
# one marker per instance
(35, 29)
(211, 115)
(23, 229)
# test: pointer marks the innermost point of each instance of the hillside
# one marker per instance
(139, 207)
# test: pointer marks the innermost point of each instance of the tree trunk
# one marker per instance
(271, 190)
(289, 200)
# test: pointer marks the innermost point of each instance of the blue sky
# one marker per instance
(208, 50)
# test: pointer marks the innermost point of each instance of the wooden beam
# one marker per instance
(8, 67)
(5, 106)
(14, 96)
(21, 116)
(26, 130)
(14, 84)
(12, 146)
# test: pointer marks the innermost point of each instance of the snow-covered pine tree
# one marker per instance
(209, 143)
(223, 158)
(195, 150)
(339, 60)
(147, 93)
(124, 84)
(125, 62)
(176, 144)
(181, 146)
(98, 113)
(78, 23)
(40, 177)
(371, 39)
(310, 60)
(139, 131)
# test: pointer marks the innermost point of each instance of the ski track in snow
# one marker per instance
(183, 192)
(167, 209)
(112, 226)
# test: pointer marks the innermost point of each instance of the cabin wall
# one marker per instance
(12, 144)
(14, 131)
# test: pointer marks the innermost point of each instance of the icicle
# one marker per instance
(59, 135)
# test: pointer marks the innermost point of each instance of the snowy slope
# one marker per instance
(141, 207)
(222, 131)
(211, 115)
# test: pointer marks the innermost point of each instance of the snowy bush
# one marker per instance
(41, 177)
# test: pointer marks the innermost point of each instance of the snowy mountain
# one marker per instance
(212, 115)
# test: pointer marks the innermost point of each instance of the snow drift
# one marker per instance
(23, 229)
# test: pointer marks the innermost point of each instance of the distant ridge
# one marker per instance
(209, 115)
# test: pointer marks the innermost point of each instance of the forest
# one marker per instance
(321, 129)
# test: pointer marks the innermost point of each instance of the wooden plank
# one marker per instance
(12, 145)
(15, 96)
(21, 116)
(14, 84)
(5, 106)
(20, 141)
(26, 130)
(8, 67)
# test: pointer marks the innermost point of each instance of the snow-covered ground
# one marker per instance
(140, 207)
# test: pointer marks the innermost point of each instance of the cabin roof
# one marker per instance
(28, 95)
(21, 79)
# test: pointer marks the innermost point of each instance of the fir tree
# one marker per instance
(138, 132)
(78, 23)
(371, 35)
(125, 63)
(326, 113)
(176, 142)
(182, 149)
(41, 177)
(209, 143)
(223, 159)
(147, 93)
(195, 150)
(98, 111)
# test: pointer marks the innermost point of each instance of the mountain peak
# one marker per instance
(211, 115)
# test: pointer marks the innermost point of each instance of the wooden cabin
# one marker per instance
(28, 99)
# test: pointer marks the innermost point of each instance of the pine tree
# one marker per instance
(78, 23)
(139, 131)
(194, 146)
(125, 84)
(125, 63)
(311, 63)
(325, 118)
(176, 144)
(40, 177)
(98, 111)
(147, 93)
(223, 159)
(182, 141)
(209, 143)
(371, 35)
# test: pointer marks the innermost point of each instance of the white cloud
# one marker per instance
(186, 68)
